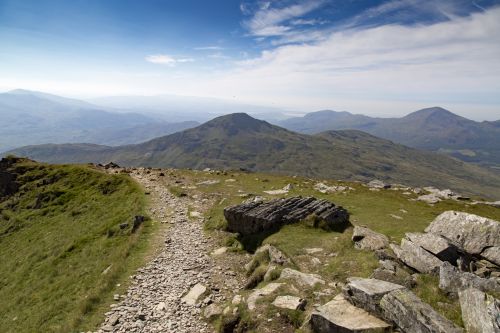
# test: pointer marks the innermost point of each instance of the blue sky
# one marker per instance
(374, 57)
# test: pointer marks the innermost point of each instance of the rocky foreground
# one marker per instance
(189, 286)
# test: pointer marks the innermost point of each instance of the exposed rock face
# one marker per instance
(303, 279)
(368, 239)
(435, 244)
(412, 315)
(289, 302)
(275, 255)
(8, 184)
(367, 293)
(480, 312)
(416, 257)
(452, 280)
(340, 316)
(254, 217)
(471, 233)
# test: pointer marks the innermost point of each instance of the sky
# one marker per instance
(380, 58)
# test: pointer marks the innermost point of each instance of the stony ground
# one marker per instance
(153, 302)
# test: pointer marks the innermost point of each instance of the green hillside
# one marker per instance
(240, 141)
(63, 251)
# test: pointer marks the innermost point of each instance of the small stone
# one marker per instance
(290, 302)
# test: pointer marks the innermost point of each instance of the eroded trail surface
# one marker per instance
(153, 302)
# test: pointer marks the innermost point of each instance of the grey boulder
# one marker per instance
(416, 257)
(471, 233)
(452, 280)
(480, 312)
(434, 244)
(367, 239)
(411, 315)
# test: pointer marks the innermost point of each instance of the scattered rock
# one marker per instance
(313, 250)
(212, 311)
(378, 184)
(412, 315)
(264, 291)
(275, 255)
(195, 214)
(209, 182)
(192, 297)
(429, 198)
(219, 251)
(301, 278)
(367, 239)
(290, 302)
(340, 316)
(255, 217)
(323, 188)
(480, 312)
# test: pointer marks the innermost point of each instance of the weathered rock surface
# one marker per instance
(452, 280)
(255, 217)
(290, 302)
(367, 293)
(275, 255)
(303, 279)
(435, 244)
(412, 315)
(367, 239)
(194, 294)
(471, 233)
(416, 257)
(492, 254)
(258, 293)
(340, 316)
(480, 312)
(212, 311)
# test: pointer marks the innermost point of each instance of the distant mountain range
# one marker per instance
(240, 141)
(28, 117)
(434, 129)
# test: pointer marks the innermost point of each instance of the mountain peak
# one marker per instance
(435, 111)
(237, 122)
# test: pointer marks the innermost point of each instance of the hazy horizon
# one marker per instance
(378, 58)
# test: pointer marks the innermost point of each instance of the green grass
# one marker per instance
(339, 259)
(58, 235)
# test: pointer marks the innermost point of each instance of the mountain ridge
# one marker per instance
(240, 141)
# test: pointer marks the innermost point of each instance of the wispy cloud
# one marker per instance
(209, 48)
(164, 59)
(268, 20)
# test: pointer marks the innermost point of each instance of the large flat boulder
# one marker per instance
(340, 316)
(480, 312)
(411, 315)
(194, 294)
(290, 302)
(367, 293)
(367, 239)
(254, 217)
(416, 257)
(452, 280)
(434, 244)
(471, 233)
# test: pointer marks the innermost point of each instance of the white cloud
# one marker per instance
(164, 59)
(268, 21)
(209, 48)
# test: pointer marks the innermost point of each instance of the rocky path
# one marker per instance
(154, 300)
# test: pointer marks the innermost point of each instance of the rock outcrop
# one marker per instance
(396, 304)
(416, 257)
(303, 279)
(290, 302)
(411, 315)
(254, 217)
(471, 233)
(435, 244)
(367, 239)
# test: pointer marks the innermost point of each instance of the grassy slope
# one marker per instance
(369, 208)
(53, 256)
